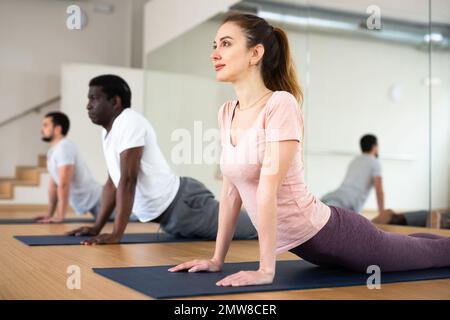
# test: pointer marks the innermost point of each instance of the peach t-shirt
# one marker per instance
(300, 215)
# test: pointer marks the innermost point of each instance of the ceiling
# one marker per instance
(415, 10)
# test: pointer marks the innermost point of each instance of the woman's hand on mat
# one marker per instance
(198, 265)
(104, 238)
(247, 278)
(83, 231)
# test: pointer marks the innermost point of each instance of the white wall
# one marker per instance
(185, 14)
(74, 89)
(137, 32)
(20, 142)
(176, 101)
(35, 42)
(347, 95)
(188, 54)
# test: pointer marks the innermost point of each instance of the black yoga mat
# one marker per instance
(128, 238)
(33, 221)
(157, 282)
(67, 220)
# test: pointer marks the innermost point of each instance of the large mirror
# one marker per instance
(375, 76)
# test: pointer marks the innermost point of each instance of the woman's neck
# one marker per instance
(249, 89)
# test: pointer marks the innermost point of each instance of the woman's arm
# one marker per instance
(278, 157)
(229, 209)
(277, 160)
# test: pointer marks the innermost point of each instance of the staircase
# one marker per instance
(26, 176)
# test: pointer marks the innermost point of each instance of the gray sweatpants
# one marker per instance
(416, 218)
(419, 218)
(96, 210)
(194, 213)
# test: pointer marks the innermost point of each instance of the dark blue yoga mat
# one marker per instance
(128, 238)
(157, 282)
(33, 221)
(67, 220)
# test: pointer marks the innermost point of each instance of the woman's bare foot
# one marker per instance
(384, 218)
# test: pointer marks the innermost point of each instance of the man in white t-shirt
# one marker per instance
(71, 182)
(140, 180)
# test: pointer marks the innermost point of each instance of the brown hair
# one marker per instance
(278, 70)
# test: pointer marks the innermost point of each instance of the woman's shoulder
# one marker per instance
(285, 96)
(227, 106)
(226, 109)
(283, 101)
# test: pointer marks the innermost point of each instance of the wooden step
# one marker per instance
(6, 190)
(42, 161)
(28, 175)
(16, 182)
(24, 183)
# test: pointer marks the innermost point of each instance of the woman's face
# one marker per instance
(231, 58)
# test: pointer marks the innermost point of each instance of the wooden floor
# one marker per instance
(40, 272)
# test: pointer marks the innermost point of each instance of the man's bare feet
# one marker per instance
(434, 220)
(384, 217)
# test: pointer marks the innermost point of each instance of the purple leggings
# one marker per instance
(351, 241)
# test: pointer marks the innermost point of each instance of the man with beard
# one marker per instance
(71, 181)
(363, 173)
